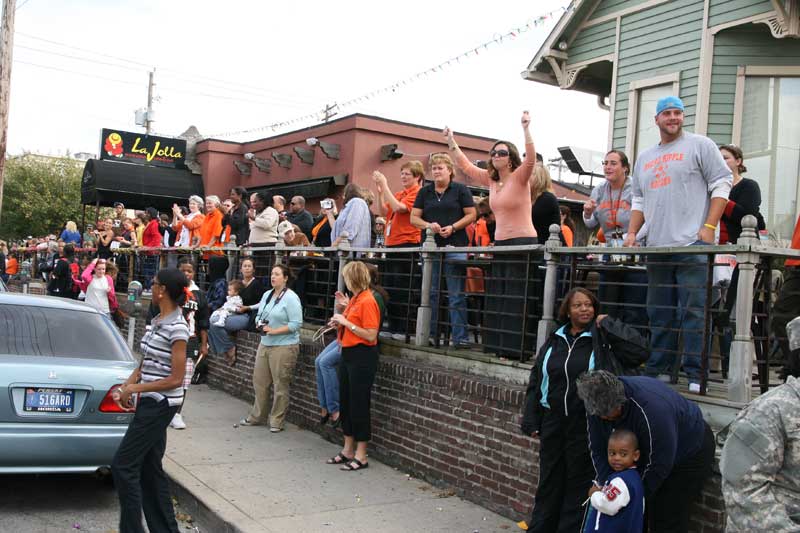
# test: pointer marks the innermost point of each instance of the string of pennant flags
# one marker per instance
(498, 39)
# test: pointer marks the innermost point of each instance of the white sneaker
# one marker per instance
(694, 388)
(385, 335)
(177, 422)
(398, 336)
(664, 378)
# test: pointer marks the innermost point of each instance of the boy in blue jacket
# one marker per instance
(618, 506)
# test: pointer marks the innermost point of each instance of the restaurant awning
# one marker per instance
(137, 186)
(309, 188)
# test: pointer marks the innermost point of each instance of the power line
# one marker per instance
(86, 74)
(79, 58)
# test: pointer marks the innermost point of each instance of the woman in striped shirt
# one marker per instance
(138, 475)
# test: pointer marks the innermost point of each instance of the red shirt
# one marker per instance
(151, 236)
(795, 245)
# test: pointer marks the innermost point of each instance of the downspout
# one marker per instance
(601, 103)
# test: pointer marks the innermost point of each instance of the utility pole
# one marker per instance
(148, 120)
(329, 112)
(6, 50)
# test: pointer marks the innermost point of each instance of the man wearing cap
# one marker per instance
(680, 188)
(119, 216)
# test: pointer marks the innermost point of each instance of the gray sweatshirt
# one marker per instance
(672, 184)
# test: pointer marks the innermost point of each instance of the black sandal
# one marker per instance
(340, 459)
(323, 419)
(358, 466)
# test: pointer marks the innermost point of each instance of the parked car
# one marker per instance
(59, 361)
(3, 287)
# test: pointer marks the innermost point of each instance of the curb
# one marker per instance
(209, 511)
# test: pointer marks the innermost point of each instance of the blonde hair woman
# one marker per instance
(71, 234)
(545, 211)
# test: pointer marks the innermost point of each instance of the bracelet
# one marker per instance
(709, 226)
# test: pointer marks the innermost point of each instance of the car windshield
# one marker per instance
(49, 332)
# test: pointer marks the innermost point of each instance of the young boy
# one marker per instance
(619, 505)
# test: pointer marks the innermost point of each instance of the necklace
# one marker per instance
(439, 196)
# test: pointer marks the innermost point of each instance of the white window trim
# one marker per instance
(633, 103)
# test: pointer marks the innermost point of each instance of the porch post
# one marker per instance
(343, 251)
(742, 349)
(548, 320)
(424, 309)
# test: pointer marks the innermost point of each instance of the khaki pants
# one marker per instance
(274, 366)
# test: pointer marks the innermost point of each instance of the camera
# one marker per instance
(261, 323)
(327, 203)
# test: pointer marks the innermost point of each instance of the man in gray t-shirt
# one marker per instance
(680, 188)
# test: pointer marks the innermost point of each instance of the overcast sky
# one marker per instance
(235, 65)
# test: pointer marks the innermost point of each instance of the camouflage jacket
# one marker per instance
(760, 463)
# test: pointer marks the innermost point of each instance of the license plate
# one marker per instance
(49, 400)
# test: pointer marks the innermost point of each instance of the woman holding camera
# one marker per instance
(279, 318)
(610, 209)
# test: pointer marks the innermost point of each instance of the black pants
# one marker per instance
(505, 302)
(138, 475)
(787, 307)
(398, 281)
(565, 475)
(668, 509)
(356, 376)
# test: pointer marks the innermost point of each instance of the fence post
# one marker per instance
(548, 320)
(742, 349)
(424, 309)
(280, 252)
(343, 251)
(230, 253)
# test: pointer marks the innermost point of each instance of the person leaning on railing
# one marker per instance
(508, 177)
(446, 208)
(609, 208)
(354, 223)
(188, 225)
(555, 414)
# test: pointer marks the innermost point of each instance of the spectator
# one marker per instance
(676, 443)
(555, 414)
(98, 287)
(291, 234)
(485, 225)
(378, 233)
(672, 182)
(299, 216)
(354, 223)
(168, 235)
(280, 315)
(103, 235)
(321, 232)
(127, 238)
(279, 203)
(140, 222)
(12, 265)
(211, 229)
(89, 239)
(446, 208)
(3, 256)
(760, 463)
(138, 475)
(237, 216)
(226, 207)
(609, 208)
(188, 226)
(508, 176)
(233, 301)
(399, 233)
(60, 283)
(263, 221)
(119, 216)
(71, 234)
(786, 305)
(151, 238)
(358, 328)
(567, 225)
(217, 282)
(244, 318)
(545, 211)
(619, 504)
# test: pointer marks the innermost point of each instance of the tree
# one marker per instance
(41, 194)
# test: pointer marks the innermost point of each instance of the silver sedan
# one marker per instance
(59, 361)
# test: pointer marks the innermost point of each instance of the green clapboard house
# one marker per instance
(735, 64)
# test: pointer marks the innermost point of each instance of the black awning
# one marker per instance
(310, 188)
(137, 186)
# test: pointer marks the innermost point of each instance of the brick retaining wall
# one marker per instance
(453, 429)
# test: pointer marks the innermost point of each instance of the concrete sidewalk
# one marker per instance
(257, 481)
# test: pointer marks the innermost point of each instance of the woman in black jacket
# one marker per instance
(555, 414)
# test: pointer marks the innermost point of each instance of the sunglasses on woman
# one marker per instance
(499, 153)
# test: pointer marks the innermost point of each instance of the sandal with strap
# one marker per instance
(340, 459)
(354, 465)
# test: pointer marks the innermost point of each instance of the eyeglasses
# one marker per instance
(499, 153)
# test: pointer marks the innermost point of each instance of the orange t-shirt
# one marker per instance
(567, 233)
(12, 266)
(795, 245)
(212, 227)
(482, 237)
(362, 311)
(398, 225)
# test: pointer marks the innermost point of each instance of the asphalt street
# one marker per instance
(59, 504)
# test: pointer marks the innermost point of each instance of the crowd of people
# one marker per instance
(606, 433)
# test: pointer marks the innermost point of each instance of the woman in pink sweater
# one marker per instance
(98, 287)
(508, 177)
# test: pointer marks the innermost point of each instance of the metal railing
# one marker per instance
(503, 300)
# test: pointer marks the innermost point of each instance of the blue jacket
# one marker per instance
(669, 427)
(625, 489)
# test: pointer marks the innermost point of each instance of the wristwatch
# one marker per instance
(353, 328)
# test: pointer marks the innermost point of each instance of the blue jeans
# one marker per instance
(327, 379)
(676, 299)
(219, 338)
(454, 275)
